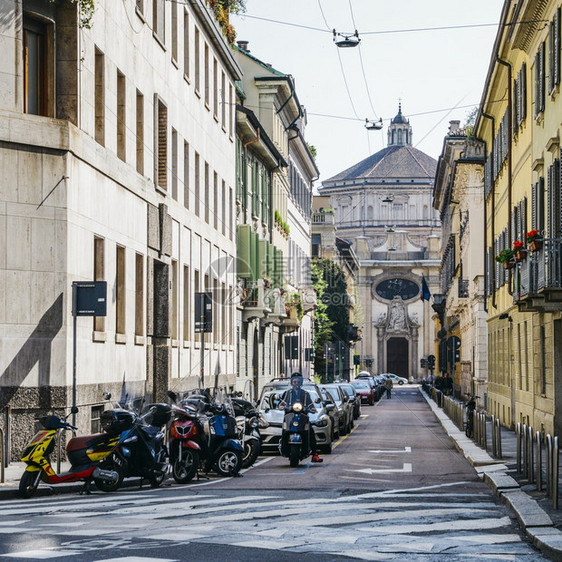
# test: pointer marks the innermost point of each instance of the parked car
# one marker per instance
(285, 383)
(364, 390)
(395, 378)
(355, 399)
(271, 420)
(341, 398)
(375, 381)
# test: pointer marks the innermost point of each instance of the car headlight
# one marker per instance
(253, 422)
(322, 422)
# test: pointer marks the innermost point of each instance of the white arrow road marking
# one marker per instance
(406, 450)
(406, 467)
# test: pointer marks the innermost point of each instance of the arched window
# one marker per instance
(392, 136)
(406, 134)
(399, 136)
(370, 213)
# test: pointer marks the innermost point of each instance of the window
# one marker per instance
(215, 201)
(121, 117)
(139, 295)
(206, 70)
(37, 82)
(554, 52)
(215, 90)
(539, 80)
(174, 8)
(140, 133)
(197, 185)
(316, 245)
(206, 288)
(231, 109)
(140, 6)
(174, 164)
(207, 188)
(174, 299)
(161, 154)
(223, 100)
(99, 275)
(95, 419)
(120, 290)
(186, 44)
(186, 175)
(158, 19)
(197, 62)
(99, 109)
(186, 305)
(223, 313)
(216, 306)
(223, 208)
(230, 213)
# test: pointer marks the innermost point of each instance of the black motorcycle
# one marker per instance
(141, 451)
(295, 436)
(247, 421)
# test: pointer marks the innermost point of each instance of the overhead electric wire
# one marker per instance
(323, 15)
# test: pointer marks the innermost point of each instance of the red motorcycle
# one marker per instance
(183, 448)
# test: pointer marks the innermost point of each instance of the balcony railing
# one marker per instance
(540, 273)
(463, 288)
(323, 218)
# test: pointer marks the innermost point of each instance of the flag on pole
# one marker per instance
(425, 294)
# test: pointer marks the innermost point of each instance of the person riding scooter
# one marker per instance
(297, 394)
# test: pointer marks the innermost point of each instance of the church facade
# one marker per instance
(383, 206)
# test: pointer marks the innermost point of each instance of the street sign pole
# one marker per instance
(74, 317)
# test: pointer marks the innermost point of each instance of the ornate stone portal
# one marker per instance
(397, 338)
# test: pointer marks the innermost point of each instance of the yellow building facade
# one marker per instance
(519, 119)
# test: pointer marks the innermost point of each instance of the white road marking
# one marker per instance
(406, 467)
(382, 451)
(42, 554)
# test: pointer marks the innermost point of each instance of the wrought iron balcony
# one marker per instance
(255, 304)
(463, 289)
(538, 278)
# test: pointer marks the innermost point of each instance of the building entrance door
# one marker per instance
(397, 353)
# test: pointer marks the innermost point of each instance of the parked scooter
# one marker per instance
(90, 457)
(184, 450)
(295, 436)
(247, 421)
(217, 433)
(141, 450)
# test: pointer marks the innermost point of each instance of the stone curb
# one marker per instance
(537, 524)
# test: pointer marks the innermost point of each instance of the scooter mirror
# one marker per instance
(107, 395)
(74, 410)
(172, 395)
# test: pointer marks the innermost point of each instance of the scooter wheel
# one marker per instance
(294, 456)
(28, 483)
(185, 469)
(110, 485)
(229, 462)
(251, 453)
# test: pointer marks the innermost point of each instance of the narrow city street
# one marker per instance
(393, 489)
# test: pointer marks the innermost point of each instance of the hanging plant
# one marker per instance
(222, 10)
(85, 12)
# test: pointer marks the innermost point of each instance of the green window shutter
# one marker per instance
(243, 251)
(255, 256)
(262, 265)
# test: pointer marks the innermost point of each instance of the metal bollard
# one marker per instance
(2, 452)
(530, 466)
(538, 460)
(484, 433)
(518, 446)
(493, 435)
(525, 436)
(548, 465)
(499, 453)
(555, 460)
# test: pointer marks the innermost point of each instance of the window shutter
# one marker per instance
(556, 199)
(550, 204)
(542, 75)
(523, 218)
(551, 57)
(557, 47)
(523, 87)
(534, 205)
(487, 176)
(513, 225)
(537, 83)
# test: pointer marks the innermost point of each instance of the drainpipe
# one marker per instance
(254, 140)
(509, 158)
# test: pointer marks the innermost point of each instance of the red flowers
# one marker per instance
(518, 245)
(533, 235)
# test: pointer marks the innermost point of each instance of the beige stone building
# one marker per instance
(458, 196)
(117, 151)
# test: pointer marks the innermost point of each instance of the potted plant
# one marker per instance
(506, 257)
(534, 240)
(520, 250)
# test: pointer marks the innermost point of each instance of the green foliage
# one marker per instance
(332, 314)
(86, 12)
(312, 150)
(505, 256)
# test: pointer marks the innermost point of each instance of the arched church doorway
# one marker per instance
(397, 354)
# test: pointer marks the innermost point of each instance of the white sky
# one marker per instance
(428, 70)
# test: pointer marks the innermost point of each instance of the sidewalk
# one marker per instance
(533, 510)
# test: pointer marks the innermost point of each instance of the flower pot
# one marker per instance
(520, 255)
(508, 265)
(535, 245)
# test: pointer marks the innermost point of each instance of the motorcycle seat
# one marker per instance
(77, 443)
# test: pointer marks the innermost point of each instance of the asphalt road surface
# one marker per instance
(394, 489)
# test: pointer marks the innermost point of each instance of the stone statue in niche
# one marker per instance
(397, 315)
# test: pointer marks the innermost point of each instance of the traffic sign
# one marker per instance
(454, 342)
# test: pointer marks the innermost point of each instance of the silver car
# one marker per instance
(271, 421)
